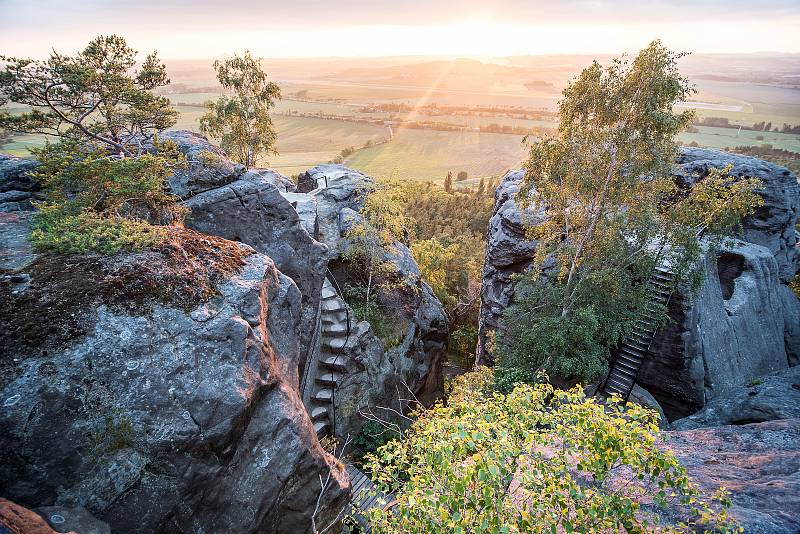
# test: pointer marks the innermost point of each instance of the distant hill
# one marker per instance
(464, 74)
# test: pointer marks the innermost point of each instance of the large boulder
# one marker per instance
(767, 398)
(744, 322)
(773, 224)
(727, 334)
(158, 390)
(758, 463)
(255, 210)
(18, 187)
(208, 166)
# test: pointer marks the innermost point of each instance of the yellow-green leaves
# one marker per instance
(535, 460)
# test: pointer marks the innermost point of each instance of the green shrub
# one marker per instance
(535, 460)
(102, 203)
(383, 326)
(374, 435)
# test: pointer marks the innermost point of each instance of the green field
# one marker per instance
(731, 137)
(428, 155)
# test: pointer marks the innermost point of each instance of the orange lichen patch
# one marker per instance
(19, 520)
(50, 303)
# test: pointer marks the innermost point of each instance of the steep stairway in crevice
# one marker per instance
(327, 370)
(634, 348)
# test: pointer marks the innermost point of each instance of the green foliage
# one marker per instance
(373, 435)
(56, 229)
(366, 308)
(538, 336)
(609, 211)
(101, 203)
(241, 122)
(535, 460)
(95, 96)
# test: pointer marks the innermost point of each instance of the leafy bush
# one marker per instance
(535, 460)
(56, 229)
(374, 435)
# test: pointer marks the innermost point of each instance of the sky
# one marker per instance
(373, 28)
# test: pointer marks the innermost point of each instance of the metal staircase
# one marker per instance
(634, 348)
(325, 372)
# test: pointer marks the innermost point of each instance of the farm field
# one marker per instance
(428, 155)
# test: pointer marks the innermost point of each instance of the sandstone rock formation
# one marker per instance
(767, 398)
(254, 210)
(18, 189)
(158, 406)
(743, 323)
(758, 463)
(367, 375)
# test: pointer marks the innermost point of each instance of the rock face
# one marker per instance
(768, 398)
(208, 165)
(369, 374)
(743, 323)
(18, 189)
(773, 224)
(758, 463)
(167, 418)
(255, 210)
(731, 332)
(508, 253)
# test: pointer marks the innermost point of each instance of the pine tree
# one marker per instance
(482, 187)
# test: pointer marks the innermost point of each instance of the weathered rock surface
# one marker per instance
(16, 519)
(374, 375)
(508, 253)
(731, 332)
(63, 519)
(743, 323)
(767, 398)
(773, 224)
(255, 210)
(161, 418)
(18, 189)
(758, 463)
(208, 165)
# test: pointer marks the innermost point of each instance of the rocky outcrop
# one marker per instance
(743, 322)
(157, 412)
(255, 210)
(370, 374)
(508, 253)
(773, 224)
(730, 332)
(766, 398)
(208, 166)
(18, 188)
(758, 463)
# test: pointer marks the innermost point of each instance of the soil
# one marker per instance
(49, 303)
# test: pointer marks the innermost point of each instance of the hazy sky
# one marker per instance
(318, 28)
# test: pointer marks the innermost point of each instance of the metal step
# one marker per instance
(335, 344)
(320, 427)
(319, 412)
(331, 306)
(324, 395)
(335, 316)
(329, 379)
(334, 329)
(328, 292)
(334, 362)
